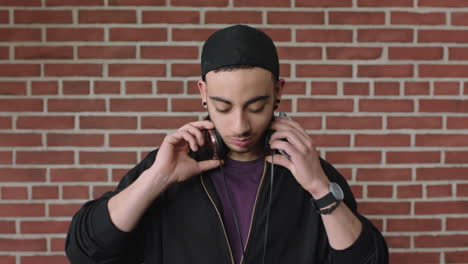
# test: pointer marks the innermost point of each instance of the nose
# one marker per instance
(241, 124)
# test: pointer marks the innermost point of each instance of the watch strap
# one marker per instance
(325, 201)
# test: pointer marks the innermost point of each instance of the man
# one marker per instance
(271, 199)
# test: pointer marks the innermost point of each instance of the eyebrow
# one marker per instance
(250, 101)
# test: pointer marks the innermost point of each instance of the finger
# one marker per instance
(197, 133)
(292, 137)
(285, 124)
(284, 146)
(208, 165)
(279, 160)
(190, 139)
(203, 124)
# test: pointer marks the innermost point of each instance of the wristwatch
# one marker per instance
(335, 195)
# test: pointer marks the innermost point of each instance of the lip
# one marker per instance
(240, 142)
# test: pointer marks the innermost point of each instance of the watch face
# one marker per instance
(336, 190)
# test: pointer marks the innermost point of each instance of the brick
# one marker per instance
(78, 175)
(443, 71)
(438, 191)
(21, 3)
(138, 87)
(321, 70)
(4, 53)
(323, 88)
(107, 16)
(458, 53)
(20, 70)
(416, 88)
(44, 87)
(192, 34)
(44, 157)
(45, 192)
(457, 223)
(64, 209)
(45, 122)
(356, 190)
(398, 241)
(138, 34)
(379, 191)
(442, 36)
(75, 192)
(415, 257)
(414, 122)
(462, 190)
(114, 157)
(443, 105)
(22, 210)
(44, 53)
(107, 52)
(233, 17)
(442, 174)
(292, 87)
(386, 88)
(385, 3)
(106, 87)
(22, 175)
(14, 193)
(405, 157)
(385, 35)
(7, 227)
(323, 3)
(75, 34)
(262, 3)
(309, 122)
(380, 71)
(76, 105)
(459, 18)
(295, 18)
(20, 140)
(439, 140)
(384, 208)
(137, 2)
(8, 259)
(170, 87)
(6, 157)
(43, 259)
(185, 70)
(4, 17)
(12, 88)
(98, 191)
(74, 2)
(136, 140)
(5, 122)
(137, 70)
(193, 3)
(169, 52)
(18, 245)
(354, 157)
(387, 140)
(324, 35)
(356, 88)
(171, 17)
(353, 122)
(108, 122)
(44, 227)
(409, 191)
(57, 245)
(138, 105)
(76, 87)
(43, 17)
(438, 241)
(455, 256)
(75, 140)
(278, 34)
(353, 53)
(165, 122)
(64, 70)
(417, 18)
(299, 53)
(415, 53)
(186, 105)
(20, 34)
(325, 105)
(440, 207)
(356, 18)
(445, 3)
(385, 105)
(331, 140)
(21, 105)
(456, 157)
(413, 225)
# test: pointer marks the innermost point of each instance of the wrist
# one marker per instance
(319, 189)
(157, 180)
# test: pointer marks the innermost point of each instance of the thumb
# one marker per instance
(207, 165)
(279, 160)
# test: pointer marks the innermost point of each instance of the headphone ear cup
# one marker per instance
(221, 149)
(266, 148)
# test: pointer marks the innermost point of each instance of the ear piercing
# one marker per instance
(204, 103)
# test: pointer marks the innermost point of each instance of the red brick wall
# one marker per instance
(88, 87)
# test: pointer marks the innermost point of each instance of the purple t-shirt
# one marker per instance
(243, 179)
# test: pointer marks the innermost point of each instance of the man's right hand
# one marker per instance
(173, 162)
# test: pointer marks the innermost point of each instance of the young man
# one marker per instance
(253, 205)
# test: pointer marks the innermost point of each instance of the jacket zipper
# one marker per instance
(220, 219)
(255, 206)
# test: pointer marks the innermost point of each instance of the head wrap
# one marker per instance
(239, 45)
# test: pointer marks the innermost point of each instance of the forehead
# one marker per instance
(240, 82)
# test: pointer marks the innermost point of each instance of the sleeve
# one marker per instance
(370, 247)
(93, 238)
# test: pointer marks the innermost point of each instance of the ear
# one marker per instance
(279, 88)
(202, 88)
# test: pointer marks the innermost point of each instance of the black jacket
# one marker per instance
(183, 225)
